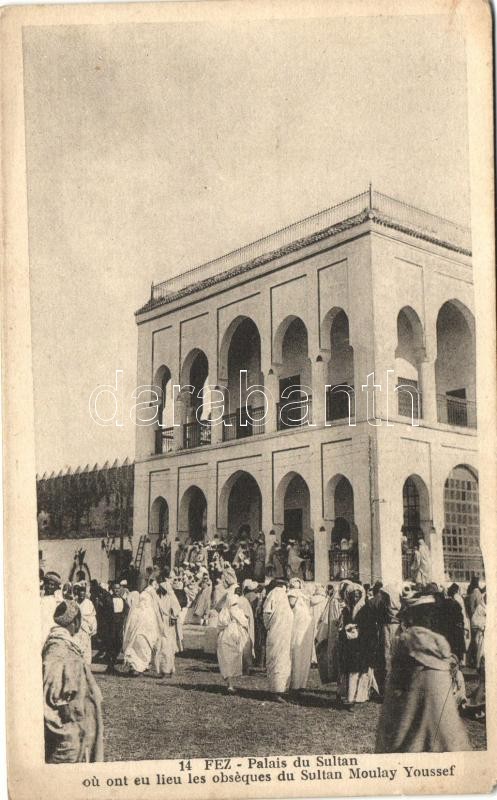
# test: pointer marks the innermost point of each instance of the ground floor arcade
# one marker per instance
(357, 498)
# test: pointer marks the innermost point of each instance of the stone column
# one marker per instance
(181, 404)
(271, 383)
(319, 381)
(429, 390)
(321, 554)
(211, 505)
(218, 412)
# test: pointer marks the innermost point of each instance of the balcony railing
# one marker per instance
(462, 566)
(340, 402)
(343, 564)
(380, 206)
(293, 413)
(242, 424)
(196, 434)
(410, 400)
(164, 438)
(456, 411)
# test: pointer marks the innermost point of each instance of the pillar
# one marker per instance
(428, 390)
(267, 510)
(211, 504)
(271, 383)
(321, 538)
(319, 381)
(322, 543)
(219, 410)
(180, 417)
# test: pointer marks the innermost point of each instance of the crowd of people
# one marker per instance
(402, 646)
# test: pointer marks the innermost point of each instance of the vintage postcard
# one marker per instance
(249, 395)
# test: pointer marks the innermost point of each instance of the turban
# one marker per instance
(295, 583)
(250, 585)
(66, 612)
(53, 577)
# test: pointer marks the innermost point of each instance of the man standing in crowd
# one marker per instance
(72, 699)
(117, 627)
(104, 608)
(50, 598)
(88, 620)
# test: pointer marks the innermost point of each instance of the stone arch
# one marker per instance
(293, 495)
(249, 504)
(163, 386)
(409, 354)
(455, 366)
(461, 533)
(280, 334)
(241, 350)
(327, 323)
(192, 514)
(416, 519)
(159, 517)
(195, 376)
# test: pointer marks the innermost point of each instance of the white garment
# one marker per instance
(88, 628)
(278, 621)
(143, 631)
(170, 639)
(318, 604)
(233, 635)
(118, 604)
(302, 643)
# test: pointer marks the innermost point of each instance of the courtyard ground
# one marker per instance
(191, 716)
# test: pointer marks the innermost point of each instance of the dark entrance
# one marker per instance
(293, 524)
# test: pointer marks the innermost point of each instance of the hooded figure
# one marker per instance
(327, 637)
(71, 698)
(419, 712)
(302, 637)
(357, 648)
(233, 632)
(278, 621)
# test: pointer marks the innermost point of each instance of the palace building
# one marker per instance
(318, 384)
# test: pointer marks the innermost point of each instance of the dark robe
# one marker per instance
(72, 703)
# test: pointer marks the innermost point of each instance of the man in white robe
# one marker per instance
(233, 632)
(302, 640)
(88, 620)
(171, 640)
(143, 632)
(278, 621)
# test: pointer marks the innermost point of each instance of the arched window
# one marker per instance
(456, 366)
(408, 355)
(461, 535)
(294, 407)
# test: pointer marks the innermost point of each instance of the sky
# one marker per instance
(153, 148)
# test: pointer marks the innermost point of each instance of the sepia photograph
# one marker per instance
(257, 346)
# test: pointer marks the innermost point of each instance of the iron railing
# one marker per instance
(196, 434)
(241, 424)
(164, 439)
(340, 402)
(293, 413)
(456, 411)
(410, 401)
(343, 564)
(388, 209)
(462, 566)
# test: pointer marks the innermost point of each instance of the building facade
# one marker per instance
(85, 520)
(320, 385)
